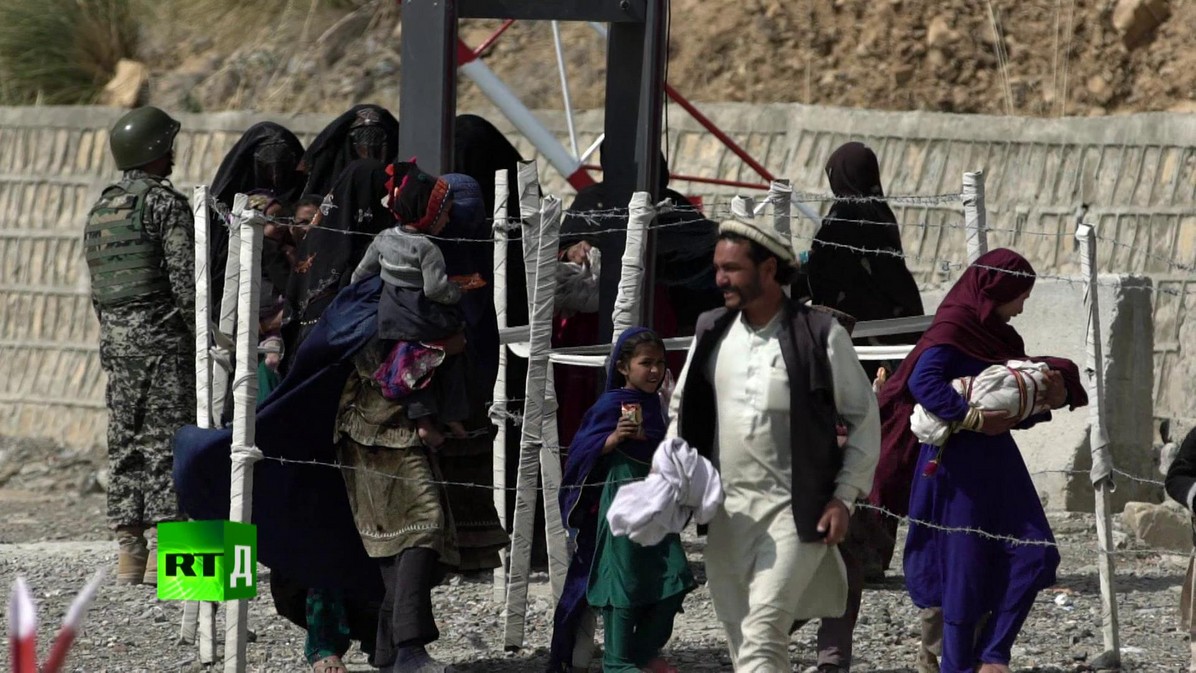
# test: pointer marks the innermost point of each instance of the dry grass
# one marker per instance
(231, 23)
(57, 52)
(62, 51)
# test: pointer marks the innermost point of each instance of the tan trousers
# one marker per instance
(758, 573)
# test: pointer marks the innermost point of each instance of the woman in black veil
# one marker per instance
(351, 214)
(264, 160)
(365, 131)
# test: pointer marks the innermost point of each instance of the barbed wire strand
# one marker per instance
(965, 530)
(721, 211)
(941, 263)
(516, 418)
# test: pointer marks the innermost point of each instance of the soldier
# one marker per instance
(140, 252)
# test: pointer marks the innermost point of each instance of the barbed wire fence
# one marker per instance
(538, 224)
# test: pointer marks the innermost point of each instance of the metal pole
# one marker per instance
(541, 138)
(560, 64)
(489, 42)
(634, 124)
(428, 93)
(704, 121)
(1102, 463)
(244, 453)
(585, 156)
(975, 217)
(499, 410)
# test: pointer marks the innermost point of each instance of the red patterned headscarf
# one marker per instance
(416, 198)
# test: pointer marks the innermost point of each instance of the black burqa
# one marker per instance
(855, 267)
(480, 151)
(265, 158)
(351, 215)
(685, 242)
(855, 262)
(336, 146)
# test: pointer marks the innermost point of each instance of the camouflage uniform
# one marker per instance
(146, 349)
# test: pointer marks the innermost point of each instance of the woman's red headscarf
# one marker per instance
(968, 321)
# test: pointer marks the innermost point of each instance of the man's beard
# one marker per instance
(745, 293)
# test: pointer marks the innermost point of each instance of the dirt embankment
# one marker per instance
(1022, 57)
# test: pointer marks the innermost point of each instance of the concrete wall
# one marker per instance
(1138, 172)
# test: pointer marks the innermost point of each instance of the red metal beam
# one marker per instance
(696, 178)
(717, 132)
(719, 181)
(489, 42)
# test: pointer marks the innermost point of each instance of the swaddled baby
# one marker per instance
(1015, 387)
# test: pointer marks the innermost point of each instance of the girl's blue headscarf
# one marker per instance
(584, 473)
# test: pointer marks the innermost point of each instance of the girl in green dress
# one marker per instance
(637, 589)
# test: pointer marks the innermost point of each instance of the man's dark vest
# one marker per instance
(817, 458)
(125, 263)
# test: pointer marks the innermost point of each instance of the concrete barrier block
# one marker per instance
(1058, 453)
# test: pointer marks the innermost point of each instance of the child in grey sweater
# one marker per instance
(418, 308)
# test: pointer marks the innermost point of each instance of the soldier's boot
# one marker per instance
(132, 556)
(151, 562)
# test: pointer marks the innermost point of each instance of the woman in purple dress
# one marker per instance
(984, 586)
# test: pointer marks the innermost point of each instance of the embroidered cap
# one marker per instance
(762, 230)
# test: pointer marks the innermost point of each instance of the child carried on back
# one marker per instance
(418, 308)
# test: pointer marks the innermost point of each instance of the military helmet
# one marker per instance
(141, 136)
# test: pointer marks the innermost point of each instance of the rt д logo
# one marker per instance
(207, 561)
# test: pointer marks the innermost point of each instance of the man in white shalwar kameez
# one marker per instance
(766, 383)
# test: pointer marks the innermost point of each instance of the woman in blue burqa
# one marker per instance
(348, 532)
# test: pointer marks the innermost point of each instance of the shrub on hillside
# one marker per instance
(58, 52)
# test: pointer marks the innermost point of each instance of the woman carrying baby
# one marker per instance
(977, 479)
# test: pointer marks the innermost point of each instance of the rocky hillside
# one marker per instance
(1022, 57)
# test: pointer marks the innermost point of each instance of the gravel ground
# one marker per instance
(52, 534)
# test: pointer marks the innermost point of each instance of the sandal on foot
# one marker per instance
(329, 664)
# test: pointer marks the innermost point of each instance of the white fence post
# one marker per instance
(523, 521)
(633, 285)
(203, 358)
(228, 316)
(780, 195)
(555, 537)
(200, 619)
(203, 289)
(499, 410)
(244, 453)
(1102, 463)
(975, 218)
